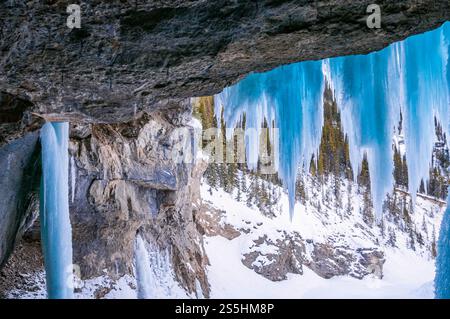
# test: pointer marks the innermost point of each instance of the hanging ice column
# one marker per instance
(371, 91)
(291, 97)
(425, 77)
(56, 232)
(369, 112)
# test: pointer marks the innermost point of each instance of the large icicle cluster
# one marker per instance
(369, 113)
(56, 231)
(409, 78)
(290, 97)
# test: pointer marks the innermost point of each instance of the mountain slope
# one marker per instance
(404, 269)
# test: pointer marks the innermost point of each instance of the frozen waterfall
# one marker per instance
(56, 231)
(410, 78)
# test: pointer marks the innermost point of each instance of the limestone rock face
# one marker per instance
(132, 56)
(275, 259)
(19, 181)
(127, 181)
(328, 260)
(210, 223)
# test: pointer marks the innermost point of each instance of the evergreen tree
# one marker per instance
(433, 244)
(251, 190)
(364, 175)
(400, 169)
(422, 187)
(419, 237)
(349, 209)
(334, 155)
(244, 183)
(392, 238)
(238, 187)
(300, 193)
(424, 226)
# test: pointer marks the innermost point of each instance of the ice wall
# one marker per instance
(442, 279)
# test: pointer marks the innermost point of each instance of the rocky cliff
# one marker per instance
(126, 180)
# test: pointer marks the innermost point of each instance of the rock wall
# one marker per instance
(132, 56)
(122, 80)
(19, 181)
(126, 181)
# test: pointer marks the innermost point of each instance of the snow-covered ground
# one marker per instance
(407, 273)
(405, 276)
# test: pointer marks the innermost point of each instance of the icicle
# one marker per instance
(442, 278)
(72, 178)
(426, 96)
(370, 91)
(143, 270)
(361, 85)
(56, 231)
(291, 96)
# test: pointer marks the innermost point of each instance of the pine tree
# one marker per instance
(433, 244)
(399, 169)
(412, 243)
(392, 238)
(334, 154)
(211, 174)
(424, 226)
(368, 216)
(382, 227)
(244, 183)
(337, 191)
(349, 209)
(364, 175)
(422, 187)
(251, 190)
(300, 193)
(419, 237)
(312, 167)
(238, 187)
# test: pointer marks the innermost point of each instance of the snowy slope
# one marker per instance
(407, 272)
